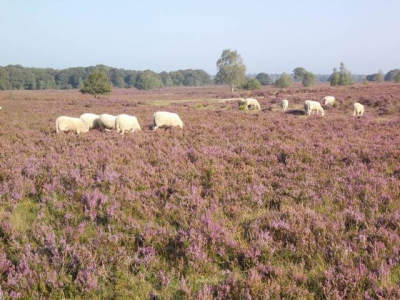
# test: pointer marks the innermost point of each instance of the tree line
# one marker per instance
(16, 77)
(231, 70)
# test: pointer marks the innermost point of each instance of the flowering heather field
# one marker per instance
(237, 205)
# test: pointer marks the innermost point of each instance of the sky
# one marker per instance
(161, 35)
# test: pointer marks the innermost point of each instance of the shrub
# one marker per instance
(285, 81)
(251, 84)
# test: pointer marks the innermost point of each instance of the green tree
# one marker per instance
(231, 69)
(251, 84)
(166, 79)
(344, 76)
(334, 79)
(285, 81)
(148, 80)
(117, 78)
(263, 78)
(391, 74)
(96, 84)
(308, 79)
(4, 79)
(299, 73)
(397, 78)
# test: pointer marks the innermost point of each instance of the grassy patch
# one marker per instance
(24, 215)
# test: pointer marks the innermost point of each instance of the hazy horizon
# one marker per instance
(272, 37)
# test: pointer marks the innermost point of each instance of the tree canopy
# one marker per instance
(231, 69)
(392, 74)
(16, 77)
(307, 78)
(97, 84)
(263, 78)
(285, 81)
(341, 77)
(251, 84)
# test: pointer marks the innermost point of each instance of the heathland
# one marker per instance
(237, 205)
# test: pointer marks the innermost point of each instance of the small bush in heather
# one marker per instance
(251, 84)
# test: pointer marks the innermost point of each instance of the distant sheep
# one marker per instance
(125, 122)
(252, 103)
(328, 100)
(107, 122)
(358, 109)
(90, 120)
(285, 104)
(0, 107)
(65, 123)
(310, 106)
(164, 118)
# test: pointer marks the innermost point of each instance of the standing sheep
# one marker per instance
(252, 103)
(164, 118)
(125, 122)
(358, 109)
(65, 123)
(310, 106)
(328, 100)
(90, 120)
(107, 122)
(285, 104)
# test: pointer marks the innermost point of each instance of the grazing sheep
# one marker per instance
(107, 122)
(310, 106)
(0, 107)
(358, 109)
(90, 120)
(285, 104)
(164, 118)
(65, 123)
(328, 100)
(252, 103)
(125, 122)
(241, 102)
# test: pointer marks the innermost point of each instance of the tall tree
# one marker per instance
(397, 78)
(231, 69)
(285, 81)
(148, 80)
(263, 78)
(307, 78)
(299, 73)
(344, 76)
(96, 84)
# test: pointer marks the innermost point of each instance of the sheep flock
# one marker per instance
(124, 122)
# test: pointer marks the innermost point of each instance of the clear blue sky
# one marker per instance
(160, 35)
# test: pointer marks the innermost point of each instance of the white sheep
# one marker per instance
(252, 103)
(164, 118)
(328, 100)
(310, 106)
(125, 122)
(241, 101)
(90, 120)
(0, 107)
(65, 123)
(107, 122)
(285, 104)
(358, 109)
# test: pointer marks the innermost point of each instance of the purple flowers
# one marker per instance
(243, 205)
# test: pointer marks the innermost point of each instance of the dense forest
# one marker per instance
(16, 77)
